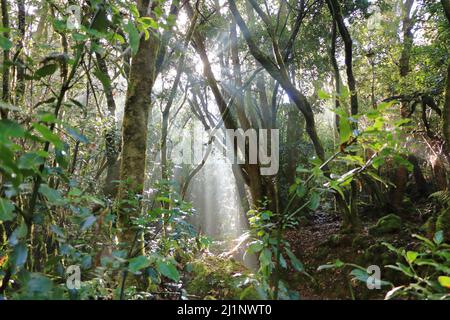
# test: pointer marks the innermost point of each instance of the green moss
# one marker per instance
(387, 224)
(360, 241)
(429, 226)
(214, 277)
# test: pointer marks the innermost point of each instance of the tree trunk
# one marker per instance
(112, 147)
(401, 173)
(279, 73)
(5, 80)
(446, 112)
(20, 87)
(135, 119)
(348, 46)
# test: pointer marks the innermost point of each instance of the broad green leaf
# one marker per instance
(444, 281)
(168, 269)
(48, 135)
(53, 196)
(104, 79)
(300, 191)
(438, 237)
(148, 22)
(46, 70)
(30, 160)
(294, 261)
(77, 135)
(57, 230)
(314, 201)
(265, 257)
(10, 128)
(133, 36)
(345, 129)
(100, 22)
(6, 210)
(88, 222)
(19, 256)
(19, 233)
(138, 263)
(323, 95)
(255, 246)
(283, 262)
(360, 275)
(5, 43)
(411, 256)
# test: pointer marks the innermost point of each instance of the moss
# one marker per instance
(387, 224)
(213, 277)
(339, 239)
(429, 226)
(360, 241)
(443, 223)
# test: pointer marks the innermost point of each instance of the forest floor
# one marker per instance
(319, 241)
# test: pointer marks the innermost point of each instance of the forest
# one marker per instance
(225, 150)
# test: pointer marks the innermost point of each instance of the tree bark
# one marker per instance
(401, 173)
(348, 47)
(112, 147)
(135, 119)
(5, 80)
(20, 87)
(446, 111)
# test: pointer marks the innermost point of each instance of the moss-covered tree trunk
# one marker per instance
(446, 113)
(135, 119)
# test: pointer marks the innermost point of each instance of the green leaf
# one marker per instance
(429, 243)
(100, 22)
(444, 281)
(314, 201)
(10, 128)
(168, 269)
(438, 237)
(53, 196)
(104, 79)
(30, 160)
(138, 263)
(265, 257)
(19, 233)
(294, 261)
(345, 129)
(19, 256)
(46, 70)
(77, 135)
(6, 210)
(255, 246)
(88, 222)
(323, 95)
(48, 135)
(133, 36)
(360, 275)
(57, 230)
(300, 191)
(336, 264)
(283, 262)
(411, 256)
(148, 22)
(5, 43)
